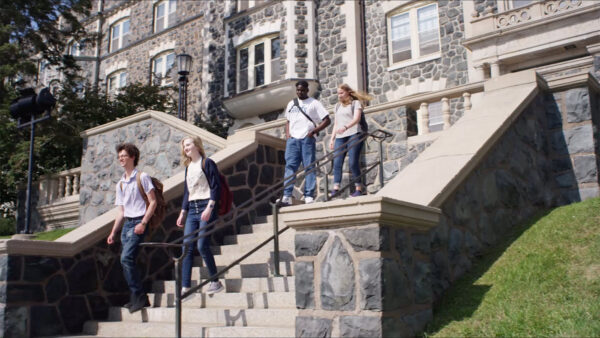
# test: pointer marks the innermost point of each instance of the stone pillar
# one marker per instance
(495, 69)
(479, 73)
(446, 112)
(594, 50)
(424, 114)
(362, 267)
(467, 101)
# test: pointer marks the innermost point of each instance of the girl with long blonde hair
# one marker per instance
(347, 129)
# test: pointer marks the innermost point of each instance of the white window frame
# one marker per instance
(120, 77)
(122, 39)
(507, 5)
(163, 58)
(170, 9)
(267, 62)
(416, 56)
(247, 4)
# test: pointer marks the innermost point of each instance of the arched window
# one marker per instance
(162, 66)
(119, 34)
(75, 48)
(165, 14)
(413, 34)
(115, 81)
(258, 62)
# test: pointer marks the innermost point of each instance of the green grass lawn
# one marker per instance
(543, 281)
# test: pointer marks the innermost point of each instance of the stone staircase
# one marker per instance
(254, 303)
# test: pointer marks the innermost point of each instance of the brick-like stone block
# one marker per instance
(309, 244)
(360, 326)
(305, 286)
(313, 327)
(337, 279)
(371, 239)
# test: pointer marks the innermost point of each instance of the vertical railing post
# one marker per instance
(381, 163)
(467, 101)
(276, 239)
(446, 112)
(178, 295)
(424, 112)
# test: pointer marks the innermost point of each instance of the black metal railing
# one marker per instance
(248, 207)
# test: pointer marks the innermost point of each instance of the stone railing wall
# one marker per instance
(43, 293)
(58, 186)
(491, 21)
(157, 136)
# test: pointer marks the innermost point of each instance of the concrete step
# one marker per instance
(256, 300)
(263, 230)
(209, 316)
(260, 284)
(250, 241)
(244, 270)
(128, 329)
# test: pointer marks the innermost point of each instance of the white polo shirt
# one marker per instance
(299, 124)
(130, 198)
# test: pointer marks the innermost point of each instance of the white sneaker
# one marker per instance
(308, 200)
(214, 287)
(188, 298)
(285, 200)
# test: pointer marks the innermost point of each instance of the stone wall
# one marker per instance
(450, 68)
(160, 157)
(46, 296)
(373, 280)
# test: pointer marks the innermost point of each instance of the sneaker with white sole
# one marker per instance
(190, 297)
(214, 287)
(308, 200)
(285, 200)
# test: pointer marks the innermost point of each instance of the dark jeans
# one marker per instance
(353, 158)
(130, 242)
(193, 223)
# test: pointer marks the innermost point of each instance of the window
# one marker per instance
(119, 35)
(512, 4)
(245, 4)
(259, 63)
(414, 34)
(164, 14)
(116, 81)
(161, 67)
(75, 48)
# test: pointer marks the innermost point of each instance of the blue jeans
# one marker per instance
(193, 223)
(353, 158)
(300, 151)
(130, 242)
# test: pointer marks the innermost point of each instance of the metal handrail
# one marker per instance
(246, 207)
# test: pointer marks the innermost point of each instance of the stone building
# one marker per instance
(492, 109)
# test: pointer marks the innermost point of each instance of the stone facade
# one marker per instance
(160, 157)
(450, 69)
(45, 296)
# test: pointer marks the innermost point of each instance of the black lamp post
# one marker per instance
(184, 64)
(24, 108)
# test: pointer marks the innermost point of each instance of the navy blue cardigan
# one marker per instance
(212, 176)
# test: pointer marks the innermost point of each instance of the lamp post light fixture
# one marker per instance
(184, 64)
(24, 108)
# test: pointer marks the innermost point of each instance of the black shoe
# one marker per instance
(127, 305)
(141, 302)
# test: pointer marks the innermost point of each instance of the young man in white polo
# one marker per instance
(305, 116)
(132, 209)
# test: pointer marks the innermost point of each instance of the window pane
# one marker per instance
(115, 32)
(520, 3)
(400, 38)
(172, 6)
(243, 58)
(428, 30)
(125, 40)
(275, 69)
(243, 80)
(259, 54)
(158, 67)
(275, 48)
(111, 83)
(160, 10)
(123, 80)
(259, 75)
(243, 4)
(170, 60)
(126, 27)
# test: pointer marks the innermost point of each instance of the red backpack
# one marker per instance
(226, 198)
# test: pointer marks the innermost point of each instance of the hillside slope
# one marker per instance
(544, 281)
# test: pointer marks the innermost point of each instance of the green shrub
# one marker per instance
(7, 226)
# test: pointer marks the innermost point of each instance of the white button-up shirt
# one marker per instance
(129, 196)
